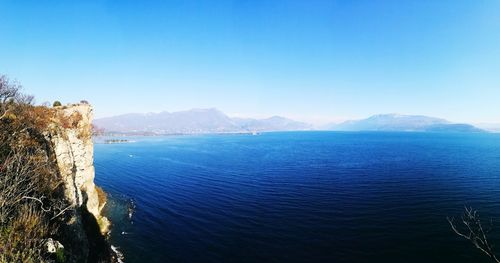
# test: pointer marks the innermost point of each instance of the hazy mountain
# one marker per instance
(214, 121)
(397, 122)
(491, 127)
(193, 121)
(275, 123)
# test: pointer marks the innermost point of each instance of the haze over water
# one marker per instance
(300, 196)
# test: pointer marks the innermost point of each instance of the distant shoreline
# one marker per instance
(116, 141)
(126, 135)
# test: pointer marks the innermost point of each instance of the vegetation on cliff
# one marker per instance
(33, 205)
(30, 189)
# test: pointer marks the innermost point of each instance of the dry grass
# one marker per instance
(31, 191)
(20, 239)
(85, 133)
(101, 195)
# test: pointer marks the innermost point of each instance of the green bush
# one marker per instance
(57, 103)
(60, 255)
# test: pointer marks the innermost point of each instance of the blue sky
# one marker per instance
(311, 60)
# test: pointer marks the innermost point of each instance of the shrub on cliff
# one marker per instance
(57, 103)
(31, 197)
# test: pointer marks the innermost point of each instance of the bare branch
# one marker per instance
(62, 211)
(474, 232)
(38, 200)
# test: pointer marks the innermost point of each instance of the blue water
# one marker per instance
(300, 197)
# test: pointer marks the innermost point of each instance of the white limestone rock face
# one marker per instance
(52, 245)
(74, 150)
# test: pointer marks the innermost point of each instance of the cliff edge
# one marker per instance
(85, 227)
(50, 208)
(74, 152)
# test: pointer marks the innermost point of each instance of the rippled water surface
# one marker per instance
(299, 197)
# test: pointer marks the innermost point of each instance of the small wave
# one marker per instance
(131, 209)
(119, 255)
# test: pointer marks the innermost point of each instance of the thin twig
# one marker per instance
(474, 232)
(62, 211)
(36, 199)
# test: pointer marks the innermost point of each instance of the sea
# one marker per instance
(300, 196)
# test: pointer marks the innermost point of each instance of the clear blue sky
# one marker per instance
(315, 60)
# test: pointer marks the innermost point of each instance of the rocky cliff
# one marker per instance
(73, 149)
(74, 153)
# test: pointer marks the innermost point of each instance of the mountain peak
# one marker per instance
(204, 110)
(401, 122)
(198, 120)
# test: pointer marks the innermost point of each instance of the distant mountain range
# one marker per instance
(491, 127)
(197, 121)
(398, 122)
(194, 121)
